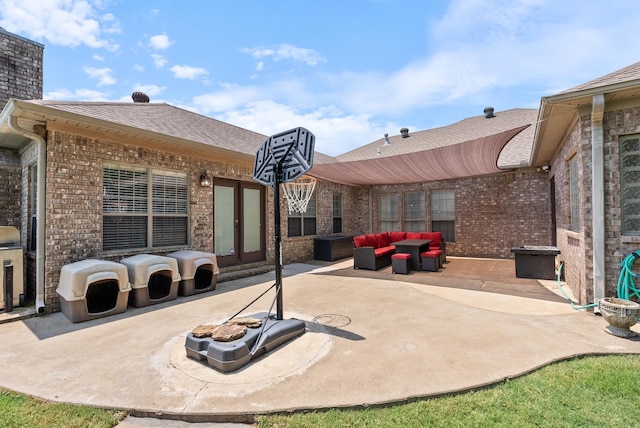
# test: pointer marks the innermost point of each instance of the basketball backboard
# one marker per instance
(294, 148)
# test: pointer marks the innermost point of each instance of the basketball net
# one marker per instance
(299, 193)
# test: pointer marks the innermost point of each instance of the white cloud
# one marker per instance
(60, 22)
(76, 94)
(138, 67)
(335, 131)
(187, 72)
(98, 57)
(102, 74)
(287, 51)
(160, 42)
(159, 60)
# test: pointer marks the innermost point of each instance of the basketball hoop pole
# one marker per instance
(277, 179)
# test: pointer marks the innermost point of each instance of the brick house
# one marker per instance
(590, 137)
(108, 180)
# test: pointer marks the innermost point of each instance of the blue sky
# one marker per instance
(347, 70)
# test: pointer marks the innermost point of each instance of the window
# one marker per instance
(337, 213)
(414, 218)
(388, 203)
(303, 224)
(574, 195)
(443, 213)
(143, 208)
(630, 184)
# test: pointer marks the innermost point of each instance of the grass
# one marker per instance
(584, 392)
(18, 410)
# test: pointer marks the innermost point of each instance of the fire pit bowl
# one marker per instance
(620, 314)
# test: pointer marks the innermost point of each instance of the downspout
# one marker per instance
(40, 208)
(597, 197)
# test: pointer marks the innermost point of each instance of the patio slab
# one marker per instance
(369, 341)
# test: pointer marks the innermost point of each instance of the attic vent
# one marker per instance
(140, 97)
(404, 132)
(386, 140)
(488, 112)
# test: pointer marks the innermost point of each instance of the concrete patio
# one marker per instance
(372, 338)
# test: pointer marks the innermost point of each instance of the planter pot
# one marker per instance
(620, 314)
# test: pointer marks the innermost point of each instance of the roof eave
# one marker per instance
(68, 121)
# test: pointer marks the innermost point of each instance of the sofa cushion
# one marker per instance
(359, 241)
(383, 239)
(384, 251)
(397, 236)
(371, 240)
(414, 235)
(436, 238)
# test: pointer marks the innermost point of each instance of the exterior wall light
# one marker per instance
(205, 180)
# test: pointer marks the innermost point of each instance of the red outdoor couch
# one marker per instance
(374, 251)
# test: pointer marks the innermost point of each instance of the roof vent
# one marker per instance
(140, 97)
(386, 140)
(488, 112)
(404, 132)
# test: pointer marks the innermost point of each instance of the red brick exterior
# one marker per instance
(577, 247)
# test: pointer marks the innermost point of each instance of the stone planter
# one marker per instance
(620, 314)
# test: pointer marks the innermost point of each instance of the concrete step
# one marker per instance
(230, 273)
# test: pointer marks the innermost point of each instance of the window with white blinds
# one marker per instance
(143, 208)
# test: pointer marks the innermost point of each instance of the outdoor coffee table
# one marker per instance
(413, 247)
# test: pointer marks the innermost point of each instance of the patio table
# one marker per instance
(413, 247)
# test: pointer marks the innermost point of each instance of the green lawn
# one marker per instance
(584, 392)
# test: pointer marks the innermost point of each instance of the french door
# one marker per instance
(238, 222)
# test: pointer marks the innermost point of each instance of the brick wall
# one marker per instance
(572, 243)
(617, 123)
(493, 213)
(577, 247)
(10, 188)
(21, 67)
(74, 199)
(300, 248)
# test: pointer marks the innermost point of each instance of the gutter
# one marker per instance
(40, 205)
(597, 196)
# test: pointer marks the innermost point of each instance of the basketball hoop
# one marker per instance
(299, 193)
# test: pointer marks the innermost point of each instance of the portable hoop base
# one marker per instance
(231, 356)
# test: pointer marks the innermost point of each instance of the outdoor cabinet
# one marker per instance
(535, 262)
(330, 248)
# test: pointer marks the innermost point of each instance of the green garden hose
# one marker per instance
(573, 304)
(626, 282)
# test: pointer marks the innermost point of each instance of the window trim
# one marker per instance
(435, 218)
(337, 213)
(391, 219)
(625, 185)
(422, 221)
(574, 193)
(178, 203)
(305, 218)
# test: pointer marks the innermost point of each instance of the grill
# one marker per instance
(11, 268)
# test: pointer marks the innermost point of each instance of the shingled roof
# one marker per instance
(515, 153)
(626, 74)
(165, 119)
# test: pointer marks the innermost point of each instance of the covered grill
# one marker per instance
(154, 279)
(198, 271)
(11, 268)
(91, 289)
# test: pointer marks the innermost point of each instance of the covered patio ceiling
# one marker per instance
(471, 158)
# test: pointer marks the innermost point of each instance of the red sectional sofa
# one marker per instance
(374, 251)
